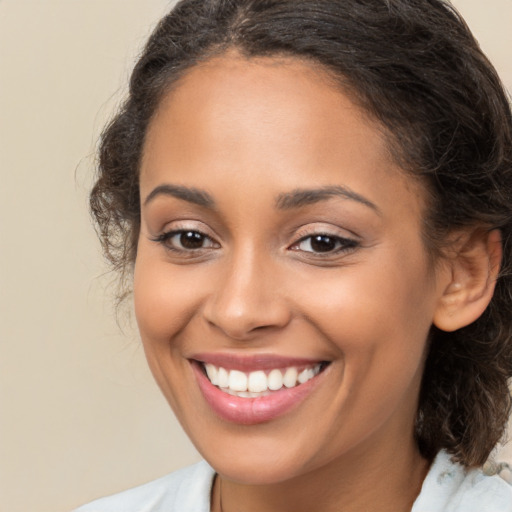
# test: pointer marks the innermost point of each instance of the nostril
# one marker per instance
(243, 305)
(246, 321)
(262, 328)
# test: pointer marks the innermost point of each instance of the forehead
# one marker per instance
(261, 120)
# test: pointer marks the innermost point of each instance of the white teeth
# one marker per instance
(245, 394)
(258, 383)
(305, 375)
(222, 378)
(275, 380)
(211, 371)
(237, 381)
(290, 377)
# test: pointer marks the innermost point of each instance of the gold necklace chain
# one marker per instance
(221, 509)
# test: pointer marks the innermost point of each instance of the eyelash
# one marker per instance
(165, 240)
(342, 245)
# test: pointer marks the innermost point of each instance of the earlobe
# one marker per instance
(473, 269)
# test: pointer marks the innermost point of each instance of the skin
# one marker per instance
(247, 132)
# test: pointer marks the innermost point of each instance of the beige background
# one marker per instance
(79, 414)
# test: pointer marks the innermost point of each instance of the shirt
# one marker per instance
(448, 487)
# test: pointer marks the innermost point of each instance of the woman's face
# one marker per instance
(281, 246)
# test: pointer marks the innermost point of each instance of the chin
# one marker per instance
(253, 471)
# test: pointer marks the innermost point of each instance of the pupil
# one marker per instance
(323, 243)
(191, 240)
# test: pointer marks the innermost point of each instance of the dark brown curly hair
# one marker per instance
(414, 67)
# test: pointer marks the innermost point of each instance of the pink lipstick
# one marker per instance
(255, 389)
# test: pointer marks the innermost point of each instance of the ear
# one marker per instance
(473, 268)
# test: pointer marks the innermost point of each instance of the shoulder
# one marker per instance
(186, 490)
(449, 487)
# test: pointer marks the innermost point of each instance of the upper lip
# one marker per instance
(253, 362)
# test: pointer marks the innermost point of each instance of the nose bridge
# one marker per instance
(246, 296)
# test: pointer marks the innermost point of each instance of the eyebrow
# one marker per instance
(189, 194)
(285, 201)
(304, 197)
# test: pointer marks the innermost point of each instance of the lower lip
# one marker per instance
(250, 411)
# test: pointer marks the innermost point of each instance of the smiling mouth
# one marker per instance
(260, 383)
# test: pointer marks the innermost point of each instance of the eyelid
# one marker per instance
(313, 229)
(178, 227)
(346, 241)
(183, 253)
(186, 225)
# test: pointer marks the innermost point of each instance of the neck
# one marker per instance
(384, 478)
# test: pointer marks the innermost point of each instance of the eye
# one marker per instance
(324, 243)
(186, 240)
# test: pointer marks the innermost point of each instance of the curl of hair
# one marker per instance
(415, 68)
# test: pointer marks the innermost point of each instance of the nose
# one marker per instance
(248, 297)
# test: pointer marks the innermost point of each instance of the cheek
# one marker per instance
(378, 318)
(164, 300)
(353, 301)
(164, 303)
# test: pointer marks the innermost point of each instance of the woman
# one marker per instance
(315, 199)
